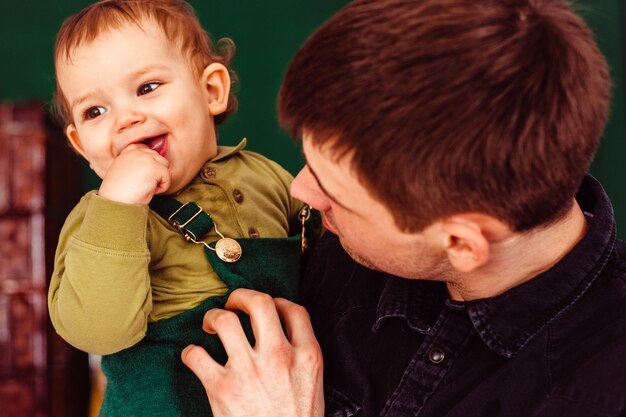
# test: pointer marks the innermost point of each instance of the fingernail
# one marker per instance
(188, 347)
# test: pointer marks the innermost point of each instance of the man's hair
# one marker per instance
(452, 106)
(176, 18)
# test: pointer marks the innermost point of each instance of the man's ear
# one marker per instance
(72, 136)
(216, 79)
(469, 239)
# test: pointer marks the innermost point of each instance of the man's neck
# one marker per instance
(521, 257)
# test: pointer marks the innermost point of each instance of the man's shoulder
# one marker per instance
(587, 344)
(603, 304)
(619, 266)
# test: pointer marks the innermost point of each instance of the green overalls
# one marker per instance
(149, 379)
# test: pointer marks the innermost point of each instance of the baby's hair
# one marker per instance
(176, 18)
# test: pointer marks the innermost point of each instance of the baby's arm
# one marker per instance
(99, 296)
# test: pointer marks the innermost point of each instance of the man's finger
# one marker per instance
(264, 318)
(297, 322)
(228, 328)
(201, 363)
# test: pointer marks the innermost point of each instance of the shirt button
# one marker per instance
(208, 173)
(252, 232)
(238, 196)
(436, 355)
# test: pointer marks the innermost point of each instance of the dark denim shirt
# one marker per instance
(553, 346)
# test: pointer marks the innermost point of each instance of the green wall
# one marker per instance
(607, 18)
(267, 34)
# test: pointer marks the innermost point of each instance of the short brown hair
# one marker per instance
(176, 18)
(452, 106)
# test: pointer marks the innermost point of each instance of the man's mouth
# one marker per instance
(157, 144)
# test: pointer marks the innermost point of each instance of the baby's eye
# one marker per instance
(93, 112)
(147, 87)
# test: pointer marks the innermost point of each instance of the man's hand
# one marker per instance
(136, 175)
(280, 376)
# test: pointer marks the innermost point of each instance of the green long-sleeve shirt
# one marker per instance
(120, 266)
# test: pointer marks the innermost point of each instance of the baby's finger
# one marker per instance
(164, 178)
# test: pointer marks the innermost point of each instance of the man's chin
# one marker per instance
(358, 258)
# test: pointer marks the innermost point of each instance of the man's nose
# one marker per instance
(306, 189)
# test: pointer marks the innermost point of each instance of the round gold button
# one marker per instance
(228, 250)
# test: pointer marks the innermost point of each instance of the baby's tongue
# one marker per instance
(155, 143)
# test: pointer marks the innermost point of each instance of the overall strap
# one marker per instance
(188, 218)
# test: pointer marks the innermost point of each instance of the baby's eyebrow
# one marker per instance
(145, 70)
(131, 75)
(78, 101)
(85, 97)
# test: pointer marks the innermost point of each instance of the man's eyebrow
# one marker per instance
(329, 195)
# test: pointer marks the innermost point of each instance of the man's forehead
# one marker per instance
(329, 145)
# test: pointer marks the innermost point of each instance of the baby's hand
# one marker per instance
(136, 175)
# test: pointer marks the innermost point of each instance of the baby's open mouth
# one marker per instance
(157, 143)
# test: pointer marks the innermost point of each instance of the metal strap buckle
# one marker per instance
(189, 235)
(227, 249)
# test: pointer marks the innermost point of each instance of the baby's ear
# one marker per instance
(72, 136)
(216, 80)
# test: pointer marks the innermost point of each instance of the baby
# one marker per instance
(140, 88)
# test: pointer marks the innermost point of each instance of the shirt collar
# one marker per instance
(506, 323)
(226, 151)
(418, 302)
(223, 152)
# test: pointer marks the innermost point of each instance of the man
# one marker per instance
(472, 268)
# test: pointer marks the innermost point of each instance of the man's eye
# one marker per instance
(148, 87)
(93, 112)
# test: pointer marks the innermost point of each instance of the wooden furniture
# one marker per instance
(40, 375)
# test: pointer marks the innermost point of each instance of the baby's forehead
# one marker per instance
(126, 51)
(132, 30)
